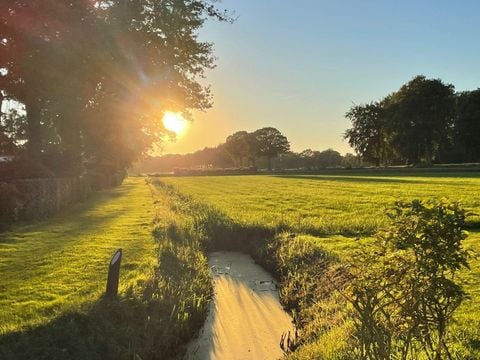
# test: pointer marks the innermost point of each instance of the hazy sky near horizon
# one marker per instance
(299, 65)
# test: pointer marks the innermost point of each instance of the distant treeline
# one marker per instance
(263, 148)
(422, 123)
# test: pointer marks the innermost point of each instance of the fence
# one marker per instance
(33, 199)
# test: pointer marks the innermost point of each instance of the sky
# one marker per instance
(300, 65)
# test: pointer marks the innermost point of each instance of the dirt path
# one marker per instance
(246, 319)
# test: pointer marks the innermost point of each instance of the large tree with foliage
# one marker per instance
(96, 77)
(271, 143)
(242, 145)
(368, 134)
(467, 126)
(44, 55)
(420, 117)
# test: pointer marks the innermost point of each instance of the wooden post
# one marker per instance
(114, 275)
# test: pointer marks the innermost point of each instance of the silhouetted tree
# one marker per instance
(271, 143)
(420, 118)
(240, 146)
(368, 135)
(467, 126)
(308, 158)
(328, 158)
(43, 55)
(96, 77)
(352, 161)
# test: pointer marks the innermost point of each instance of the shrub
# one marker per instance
(404, 290)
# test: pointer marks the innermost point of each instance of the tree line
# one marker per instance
(264, 148)
(422, 123)
(84, 84)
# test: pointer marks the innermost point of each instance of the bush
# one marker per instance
(404, 291)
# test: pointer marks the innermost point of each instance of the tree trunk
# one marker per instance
(379, 150)
(428, 155)
(34, 127)
(269, 160)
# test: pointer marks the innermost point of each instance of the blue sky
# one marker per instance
(299, 65)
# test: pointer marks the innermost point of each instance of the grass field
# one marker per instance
(53, 272)
(53, 275)
(324, 205)
(61, 264)
(332, 211)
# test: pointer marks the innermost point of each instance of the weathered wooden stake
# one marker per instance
(114, 275)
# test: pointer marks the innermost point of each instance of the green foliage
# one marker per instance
(467, 127)
(420, 116)
(416, 125)
(242, 145)
(404, 289)
(368, 135)
(320, 159)
(270, 143)
(95, 77)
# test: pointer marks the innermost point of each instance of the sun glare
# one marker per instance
(174, 122)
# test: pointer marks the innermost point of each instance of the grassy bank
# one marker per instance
(308, 274)
(53, 276)
(325, 216)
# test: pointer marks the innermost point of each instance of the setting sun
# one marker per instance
(174, 122)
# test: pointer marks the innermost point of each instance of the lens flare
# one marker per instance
(174, 122)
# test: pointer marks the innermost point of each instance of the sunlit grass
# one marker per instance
(324, 204)
(338, 213)
(61, 264)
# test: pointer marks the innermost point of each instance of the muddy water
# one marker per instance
(246, 319)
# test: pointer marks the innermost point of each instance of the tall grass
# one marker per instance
(308, 274)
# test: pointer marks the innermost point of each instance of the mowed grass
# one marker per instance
(61, 264)
(339, 212)
(324, 204)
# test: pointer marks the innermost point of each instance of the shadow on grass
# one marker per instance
(77, 214)
(123, 329)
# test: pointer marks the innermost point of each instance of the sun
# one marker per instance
(174, 122)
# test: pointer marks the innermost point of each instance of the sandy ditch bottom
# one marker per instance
(245, 320)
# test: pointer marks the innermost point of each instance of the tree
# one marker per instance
(467, 126)
(241, 145)
(271, 143)
(12, 129)
(308, 158)
(95, 77)
(350, 161)
(420, 118)
(328, 158)
(368, 135)
(42, 67)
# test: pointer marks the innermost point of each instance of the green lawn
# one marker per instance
(61, 264)
(333, 211)
(324, 204)
(52, 273)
